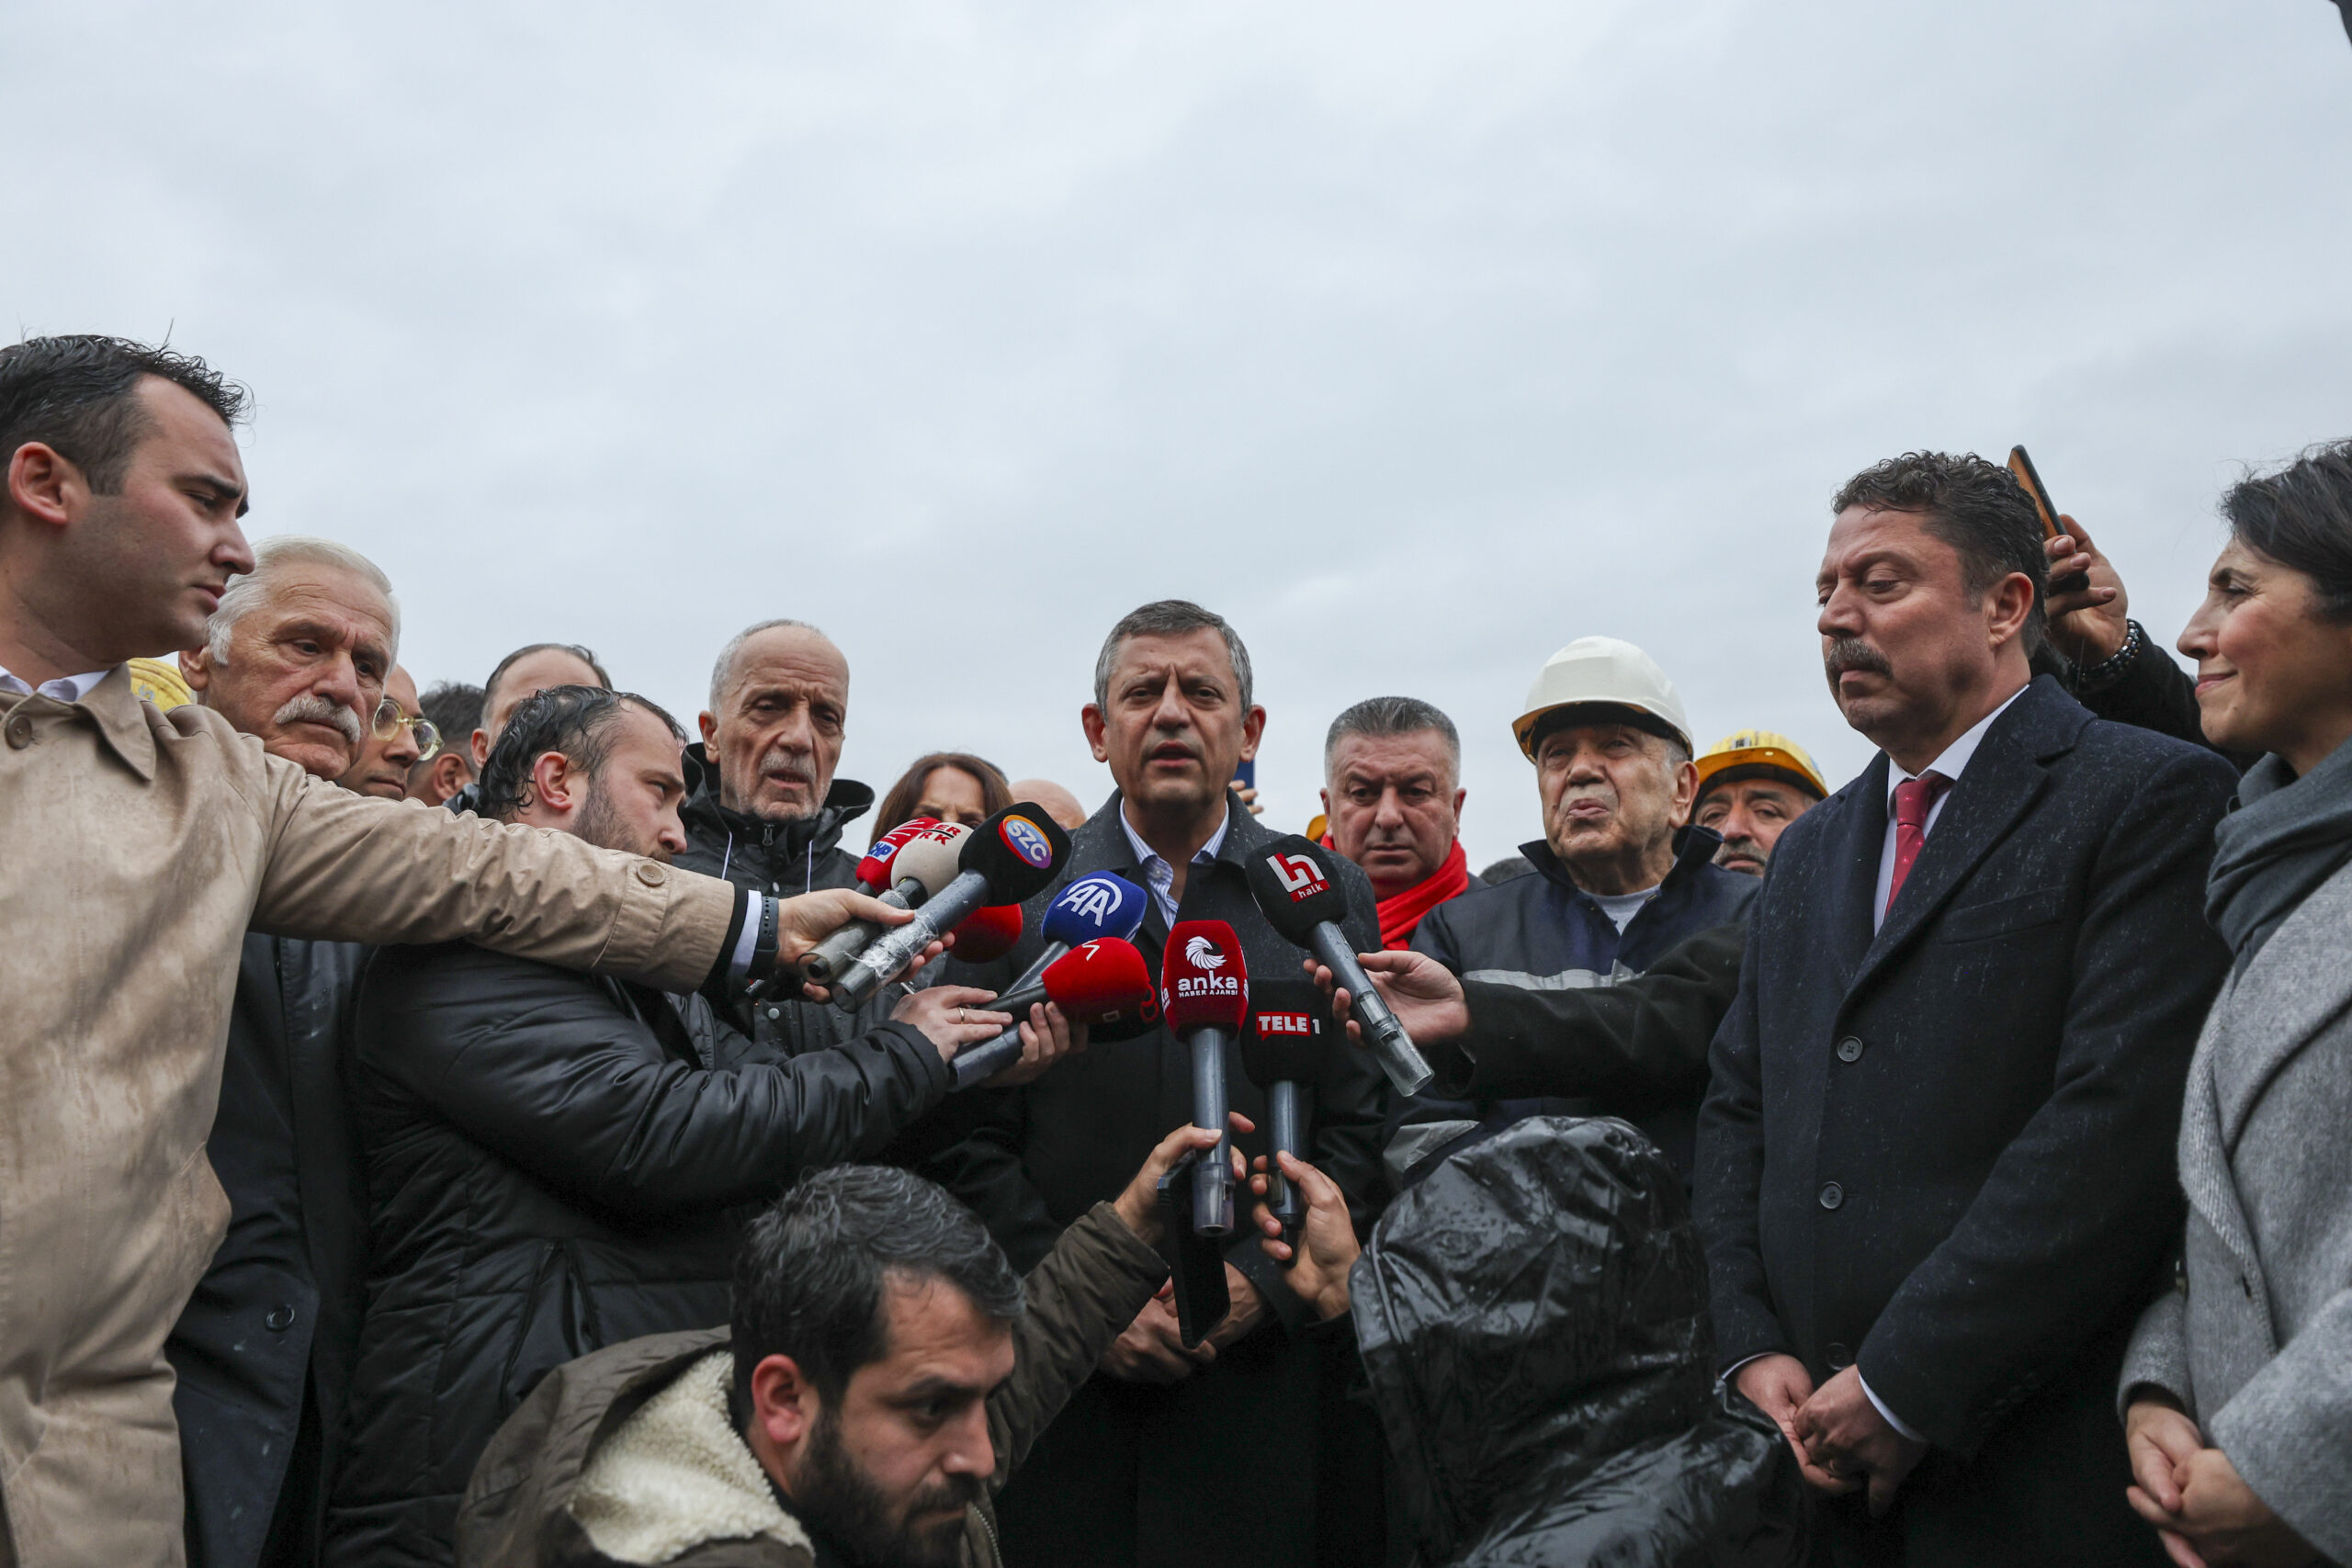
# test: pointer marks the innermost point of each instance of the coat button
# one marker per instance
(649, 873)
(20, 731)
(1837, 1356)
(775, 1013)
(1832, 1195)
(1849, 1049)
(280, 1319)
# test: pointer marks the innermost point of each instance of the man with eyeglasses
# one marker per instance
(399, 738)
(299, 655)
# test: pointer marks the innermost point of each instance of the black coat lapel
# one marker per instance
(1853, 857)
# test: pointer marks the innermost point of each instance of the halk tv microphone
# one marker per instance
(1009, 858)
(1297, 890)
(1095, 982)
(1289, 1030)
(1204, 997)
(901, 880)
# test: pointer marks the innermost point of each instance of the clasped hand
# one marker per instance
(2204, 1512)
(1842, 1442)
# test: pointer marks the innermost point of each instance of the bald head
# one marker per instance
(779, 702)
(1059, 804)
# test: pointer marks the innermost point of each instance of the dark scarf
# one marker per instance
(2283, 837)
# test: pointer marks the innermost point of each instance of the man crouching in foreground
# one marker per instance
(885, 1374)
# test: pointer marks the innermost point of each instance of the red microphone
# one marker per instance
(1205, 994)
(989, 934)
(904, 868)
(1103, 981)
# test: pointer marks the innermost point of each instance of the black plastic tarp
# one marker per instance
(1533, 1321)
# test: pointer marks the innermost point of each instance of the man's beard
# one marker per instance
(602, 827)
(838, 1500)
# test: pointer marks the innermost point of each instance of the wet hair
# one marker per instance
(1976, 506)
(810, 1273)
(455, 709)
(1168, 618)
(899, 803)
(1393, 716)
(2301, 516)
(576, 721)
(79, 395)
(573, 648)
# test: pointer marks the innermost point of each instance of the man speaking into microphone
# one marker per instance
(1142, 1467)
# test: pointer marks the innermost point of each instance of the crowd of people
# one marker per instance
(420, 1146)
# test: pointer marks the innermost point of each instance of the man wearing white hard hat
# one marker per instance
(1621, 878)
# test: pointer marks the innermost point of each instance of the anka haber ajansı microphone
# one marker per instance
(1009, 858)
(1297, 890)
(1282, 1054)
(1095, 982)
(1205, 997)
(897, 878)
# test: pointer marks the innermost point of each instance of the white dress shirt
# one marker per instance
(65, 688)
(1158, 873)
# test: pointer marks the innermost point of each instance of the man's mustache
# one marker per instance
(1850, 654)
(784, 763)
(313, 709)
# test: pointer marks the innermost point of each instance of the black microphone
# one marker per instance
(1283, 1053)
(1297, 890)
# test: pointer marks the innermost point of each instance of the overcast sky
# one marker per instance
(1416, 340)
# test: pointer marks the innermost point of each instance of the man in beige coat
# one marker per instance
(139, 847)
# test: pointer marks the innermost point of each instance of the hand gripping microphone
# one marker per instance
(1096, 982)
(1204, 996)
(1282, 1054)
(901, 872)
(1009, 858)
(1297, 890)
(989, 934)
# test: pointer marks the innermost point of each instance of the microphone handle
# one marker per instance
(1213, 1172)
(976, 1064)
(895, 950)
(833, 955)
(1391, 1046)
(1288, 1136)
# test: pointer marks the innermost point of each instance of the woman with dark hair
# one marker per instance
(954, 786)
(2237, 1393)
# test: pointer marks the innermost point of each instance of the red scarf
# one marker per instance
(1401, 916)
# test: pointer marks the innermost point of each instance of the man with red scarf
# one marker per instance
(1392, 797)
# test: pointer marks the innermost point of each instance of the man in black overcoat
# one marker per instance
(1935, 1168)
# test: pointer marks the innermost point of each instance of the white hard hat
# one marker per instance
(1601, 669)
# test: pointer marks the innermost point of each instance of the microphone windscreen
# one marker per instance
(932, 857)
(1017, 849)
(989, 934)
(873, 870)
(1290, 1021)
(1203, 981)
(1098, 906)
(1298, 888)
(1105, 979)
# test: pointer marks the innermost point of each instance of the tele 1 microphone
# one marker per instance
(1282, 1054)
(901, 872)
(1204, 996)
(1095, 982)
(1009, 858)
(1297, 890)
(989, 934)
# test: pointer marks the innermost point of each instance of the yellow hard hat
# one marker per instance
(160, 683)
(1751, 753)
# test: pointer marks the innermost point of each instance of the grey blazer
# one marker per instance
(2255, 1341)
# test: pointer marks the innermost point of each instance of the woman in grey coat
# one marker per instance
(2237, 1391)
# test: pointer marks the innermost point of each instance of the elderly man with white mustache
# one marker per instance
(297, 656)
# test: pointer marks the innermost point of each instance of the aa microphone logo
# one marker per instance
(1025, 839)
(1299, 876)
(1202, 954)
(1091, 901)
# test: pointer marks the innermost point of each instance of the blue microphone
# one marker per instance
(1102, 905)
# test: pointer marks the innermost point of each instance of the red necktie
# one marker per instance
(1913, 799)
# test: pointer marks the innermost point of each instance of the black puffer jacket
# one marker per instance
(781, 859)
(555, 1165)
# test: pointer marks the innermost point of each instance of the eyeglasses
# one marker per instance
(390, 721)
